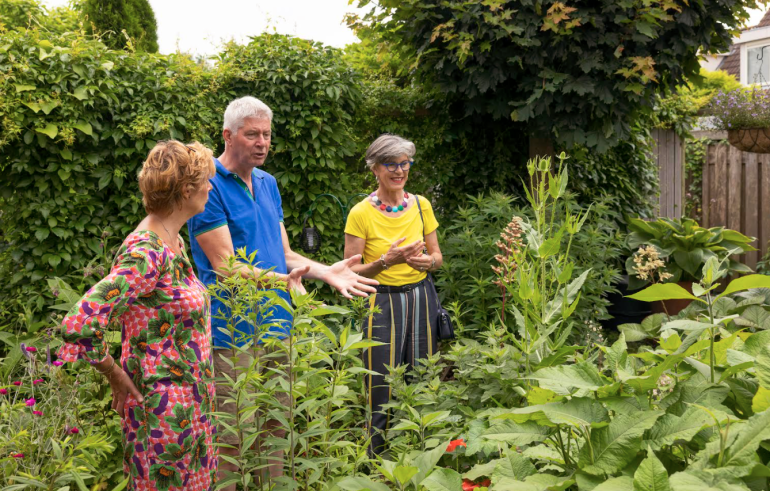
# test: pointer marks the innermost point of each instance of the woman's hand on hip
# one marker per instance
(122, 386)
(420, 262)
(400, 255)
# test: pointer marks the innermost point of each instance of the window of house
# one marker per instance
(758, 65)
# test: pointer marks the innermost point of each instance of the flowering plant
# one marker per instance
(676, 250)
(741, 109)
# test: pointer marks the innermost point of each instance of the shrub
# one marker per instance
(76, 121)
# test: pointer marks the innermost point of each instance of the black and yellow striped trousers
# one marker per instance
(406, 324)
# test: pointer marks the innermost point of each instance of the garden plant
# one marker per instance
(533, 394)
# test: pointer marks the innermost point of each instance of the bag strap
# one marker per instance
(417, 199)
(430, 276)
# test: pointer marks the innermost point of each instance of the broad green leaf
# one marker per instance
(564, 379)
(84, 127)
(550, 247)
(634, 332)
(516, 434)
(427, 461)
(361, 484)
(622, 483)
(404, 473)
(761, 401)
(614, 446)
(51, 130)
(443, 480)
(513, 466)
(762, 366)
(49, 106)
(663, 291)
(687, 325)
(571, 290)
(81, 93)
(693, 480)
(743, 450)
(690, 261)
(481, 470)
(579, 412)
(32, 105)
(746, 283)
(671, 428)
(651, 475)
(24, 88)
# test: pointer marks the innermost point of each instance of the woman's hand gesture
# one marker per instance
(122, 385)
(399, 255)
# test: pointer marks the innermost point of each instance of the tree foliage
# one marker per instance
(111, 17)
(575, 71)
(21, 14)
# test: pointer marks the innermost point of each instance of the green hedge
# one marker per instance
(77, 120)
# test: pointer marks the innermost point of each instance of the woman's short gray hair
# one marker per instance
(245, 107)
(388, 147)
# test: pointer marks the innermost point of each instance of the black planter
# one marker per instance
(624, 310)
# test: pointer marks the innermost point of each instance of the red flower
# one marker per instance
(31, 349)
(454, 444)
(468, 485)
(74, 431)
(3, 391)
(17, 455)
(37, 413)
(17, 383)
(38, 381)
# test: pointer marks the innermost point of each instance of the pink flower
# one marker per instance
(17, 455)
(74, 431)
(38, 381)
(31, 349)
(17, 383)
(30, 402)
(58, 363)
(454, 444)
(37, 413)
(3, 391)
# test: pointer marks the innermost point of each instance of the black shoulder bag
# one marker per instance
(445, 328)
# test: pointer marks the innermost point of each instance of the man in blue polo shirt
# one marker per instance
(244, 210)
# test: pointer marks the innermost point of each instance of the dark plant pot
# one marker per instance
(622, 309)
(672, 307)
(756, 140)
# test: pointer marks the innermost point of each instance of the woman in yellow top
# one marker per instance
(388, 230)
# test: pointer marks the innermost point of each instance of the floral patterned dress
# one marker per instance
(162, 309)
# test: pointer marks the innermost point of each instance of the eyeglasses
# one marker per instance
(405, 165)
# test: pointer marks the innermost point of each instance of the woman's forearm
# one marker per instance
(439, 260)
(369, 270)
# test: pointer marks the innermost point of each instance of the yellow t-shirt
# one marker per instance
(380, 231)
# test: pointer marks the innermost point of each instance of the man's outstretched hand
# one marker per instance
(348, 283)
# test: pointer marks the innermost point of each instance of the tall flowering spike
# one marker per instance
(510, 245)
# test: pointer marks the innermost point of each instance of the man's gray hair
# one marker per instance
(245, 107)
(386, 148)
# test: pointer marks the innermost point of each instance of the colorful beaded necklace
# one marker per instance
(382, 206)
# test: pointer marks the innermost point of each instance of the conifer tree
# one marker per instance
(111, 17)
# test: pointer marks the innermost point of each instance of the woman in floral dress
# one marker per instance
(162, 387)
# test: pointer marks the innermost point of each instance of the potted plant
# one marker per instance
(745, 115)
(674, 251)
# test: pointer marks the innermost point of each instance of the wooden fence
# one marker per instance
(736, 195)
(668, 151)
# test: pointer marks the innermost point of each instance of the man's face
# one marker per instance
(251, 143)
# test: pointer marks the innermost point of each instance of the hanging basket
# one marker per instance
(756, 140)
